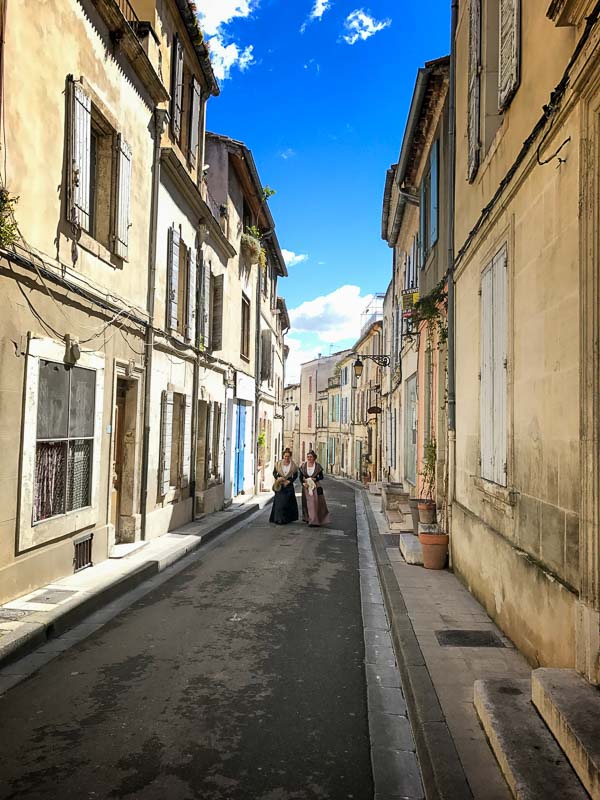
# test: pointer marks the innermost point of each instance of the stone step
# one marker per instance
(533, 765)
(410, 547)
(570, 707)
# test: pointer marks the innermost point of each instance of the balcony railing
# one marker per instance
(128, 12)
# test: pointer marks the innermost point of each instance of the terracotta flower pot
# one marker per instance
(435, 549)
(426, 511)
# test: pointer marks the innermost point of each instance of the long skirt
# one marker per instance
(314, 507)
(285, 506)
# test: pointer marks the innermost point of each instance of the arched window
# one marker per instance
(303, 451)
(310, 415)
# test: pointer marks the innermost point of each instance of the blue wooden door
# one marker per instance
(240, 449)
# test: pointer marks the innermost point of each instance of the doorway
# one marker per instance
(123, 492)
(240, 449)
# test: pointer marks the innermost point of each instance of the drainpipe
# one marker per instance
(450, 265)
(161, 118)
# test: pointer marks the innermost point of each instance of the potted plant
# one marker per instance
(426, 503)
(250, 244)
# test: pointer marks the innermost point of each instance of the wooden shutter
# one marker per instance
(176, 87)
(433, 197)
(509, 56)
(474, 89)
(187, 441)
(192, 299)
(79, 172)
(205, 305)
(422, 212)
(210, 444)
(166, 437)
(486, 397)
(173, 279)
(388, 438)
(265, 355)
(123, 195)
(220, 456)
(217, 312)
(499, 294)
(196, 97)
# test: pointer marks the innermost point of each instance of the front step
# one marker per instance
(533, 765)
(570, 707)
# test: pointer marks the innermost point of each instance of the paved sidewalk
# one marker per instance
(31, 620)
(434, 619)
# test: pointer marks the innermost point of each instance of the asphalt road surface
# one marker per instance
(239, 678)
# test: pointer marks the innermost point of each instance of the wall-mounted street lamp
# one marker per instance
(358, 366)
(296, 406)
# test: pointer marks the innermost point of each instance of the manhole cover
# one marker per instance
(391, 539)
(468, 639)
(13, 614)
(52, 596)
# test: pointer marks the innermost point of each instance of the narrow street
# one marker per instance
(240, 677)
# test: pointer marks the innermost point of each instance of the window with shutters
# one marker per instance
(99, 174)
(428, 216)
(182, 271)
(176, 441)
(245, 329)
(494, 72)
(65, 439)
(217, 312)
(493, 371)
(176, 88)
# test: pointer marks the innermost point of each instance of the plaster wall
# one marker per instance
(517, 546)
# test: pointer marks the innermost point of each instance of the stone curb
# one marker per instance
(43, 626)
(442, 770)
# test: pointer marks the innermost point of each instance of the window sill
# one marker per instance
(244, 358)
(503, 494)
(91, 245)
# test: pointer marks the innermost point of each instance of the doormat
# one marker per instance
(468, 639)
(391, 539)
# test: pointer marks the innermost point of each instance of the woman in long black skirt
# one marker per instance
(285, 505)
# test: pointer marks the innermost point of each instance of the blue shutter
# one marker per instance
(433, 205)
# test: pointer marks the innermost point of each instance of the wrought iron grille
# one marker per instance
(82, 557)
(127, 11)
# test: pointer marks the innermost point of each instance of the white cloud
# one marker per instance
(287, 153)
(361, 25)
(292, 258)
(299, 353)
(317, 11)
(226, 54)
(333, 317)
(216, 13)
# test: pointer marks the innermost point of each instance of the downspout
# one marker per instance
(161, 117)
(257, 374)
(450, 270)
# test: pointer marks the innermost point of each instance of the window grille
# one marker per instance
(82, 557)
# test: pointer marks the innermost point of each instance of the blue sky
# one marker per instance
(320, 90)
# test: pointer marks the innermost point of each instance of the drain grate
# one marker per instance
(460, 638)
(391, 539)
(13, 614)
(52, 596)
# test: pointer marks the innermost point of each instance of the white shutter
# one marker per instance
(79, 174)
(166, 436)
(210, 437)
(194, 121)
(220, 457)
(173, 279)
(388, 438)
(486, 410)
(177, 87)
(509, 55)
(123, 183)
(474, 89)
(499, 294)
(205, 305)
(190, 327)
(187, 441)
